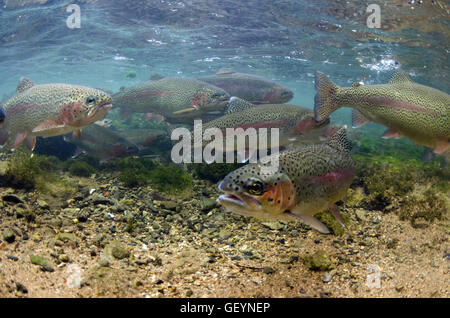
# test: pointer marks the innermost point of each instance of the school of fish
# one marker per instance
(302, 179)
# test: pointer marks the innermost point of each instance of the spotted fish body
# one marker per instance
(103, 143)
(294, 123)
(409, 109)
(50, 110)
(252, 88)
(305, 182)
(179, 100)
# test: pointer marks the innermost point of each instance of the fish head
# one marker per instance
(278, 95)
(257, 190)
(124, 149)
(307, 129)
(210, 98)
(85, 106)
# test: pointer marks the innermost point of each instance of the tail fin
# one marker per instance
(340, 141)
(325, 99)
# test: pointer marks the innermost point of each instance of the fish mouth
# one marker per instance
(101, 109)
(242, 200)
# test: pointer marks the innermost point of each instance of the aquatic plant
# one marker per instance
(170, 178)
(141, 171)
(81, 169)
(327, 218)
(131, 74)
(23, 170)
(214, 172)
(83, 166)
(422, 210)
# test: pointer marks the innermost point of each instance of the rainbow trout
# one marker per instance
(252, 88)
(179, 100)
(50, 110)
(305, 182)
(294, 123)
(103, 143)
(408, 109)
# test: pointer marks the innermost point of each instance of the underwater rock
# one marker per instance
(117, 249)
(42, 262)
(268, 270)
(275, 225)
(67, 238)
(319, 261)
(207, 204)
(12, 198)
(8, 235)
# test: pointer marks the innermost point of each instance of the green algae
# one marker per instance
(142, 171)
(131, 74)
(332, 223)
(319, 261)
(81, 169)
(422, 210)
(25, 172)
(214, 172)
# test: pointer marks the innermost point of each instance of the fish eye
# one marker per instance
(90, 100)
(255, 187)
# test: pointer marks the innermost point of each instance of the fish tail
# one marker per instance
(325, 99)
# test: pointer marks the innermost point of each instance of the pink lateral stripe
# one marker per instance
(19, 109)
(151, 94)
(262, 124)
(339, 176)
(400, 104)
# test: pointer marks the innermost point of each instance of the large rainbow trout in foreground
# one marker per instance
(307, 181)
(50, 110)
(177, 99)
(409, 109)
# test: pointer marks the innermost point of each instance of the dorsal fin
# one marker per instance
(400, 77)
(237, 104)
(224, 71)
(156, 76)
(340, 141)
(24, 84)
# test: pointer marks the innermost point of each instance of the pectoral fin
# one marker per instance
(49, 128)
(76, 134)
(30, 142)
(186, 110)
(358, 119)
(441, 146)
(392, 133)
(311, 221)
(18, 139)
(335, 210)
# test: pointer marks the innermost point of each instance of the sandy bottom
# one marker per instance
(215, 254)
